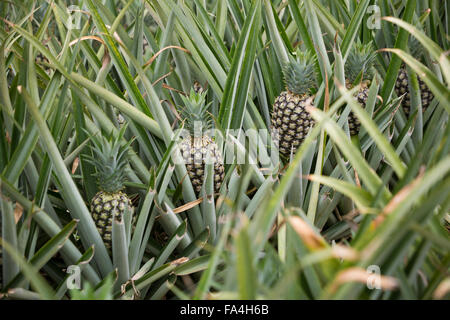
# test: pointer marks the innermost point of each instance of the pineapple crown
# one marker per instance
(300, 72)
(360, 60)
(109, 158)
(195, 110)
(415, 47)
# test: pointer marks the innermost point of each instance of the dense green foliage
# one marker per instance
(346, 217)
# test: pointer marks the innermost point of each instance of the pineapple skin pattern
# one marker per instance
(401, 87)
(105, 207)
(195, 151)
(353, 122)
(359, 65)
(290, 121)
(110, 203)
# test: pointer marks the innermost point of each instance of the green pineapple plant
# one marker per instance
(104, 292)
(290, 120)
(195, 147)
(359, 70)
(109, 158)
(381, 205)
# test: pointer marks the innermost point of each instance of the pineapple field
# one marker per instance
(224, 150)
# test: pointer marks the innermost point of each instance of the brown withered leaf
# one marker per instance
(18, 211)
(442, 289)
(150, 61)
(396, 200)
(180, 261)
(188, 205)
(343, 252)
(8, 138)
(306, 233)
(357, 274)
(75, 164)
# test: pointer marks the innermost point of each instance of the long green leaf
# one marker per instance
(236, 89)
(70, 192)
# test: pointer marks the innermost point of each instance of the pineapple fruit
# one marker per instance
(401, 84)
(359, 68)
(198, 88)
(43, 61)
(109, 158)
(195, 148)
(401, 87)
(290, 120)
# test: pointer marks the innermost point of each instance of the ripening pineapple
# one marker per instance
(109, 158)
(198, 88)
(401, 84)
(195, 148)
(42, 61)
(359, 68)
(290, 120)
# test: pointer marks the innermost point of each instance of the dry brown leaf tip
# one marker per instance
(372, 279)
(396, 201)
(306, 233)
